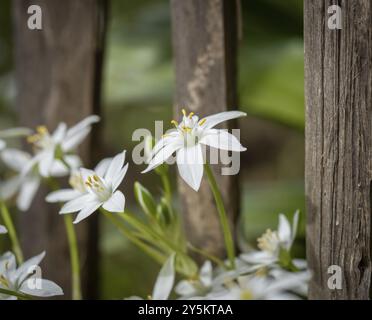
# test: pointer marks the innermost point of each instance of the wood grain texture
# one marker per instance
(205, 47)
(339, 147)
(56, 81)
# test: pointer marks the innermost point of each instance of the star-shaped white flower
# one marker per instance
(187, 140)
(24, 279)
(56, 146)
(102, 190)
(272, 242)
(77, 183)
(27, 182)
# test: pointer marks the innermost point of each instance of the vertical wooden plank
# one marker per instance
(339, 147)
(56, 81)
(205, 47)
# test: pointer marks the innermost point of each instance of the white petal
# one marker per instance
(164, 282)
(15, 159)
(221, 139)
(60, 133)
(116, 203)
(2, 144)
(284, 229)
(115, 167)
(88, 209)
(9, 187)
(27, 193)
(185, 288)
(206, 273)
(78, 203)
(258, 257)
(63, 195)
(46, 162)
(102, 167)
(167, 139)
(47, 288)
(7, 262)
(15, 132)
(215, 119)
(119, 178)
(163, 155)
(73, 141)
(27, 267)
(190, 165)
(3, 230)
(82, 125)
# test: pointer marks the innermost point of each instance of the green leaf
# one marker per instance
(145, 199)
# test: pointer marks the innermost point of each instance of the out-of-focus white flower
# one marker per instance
(78, 186)
(27, 182)
(56, 146)
(164, 282)
(254, 287)
(273, 243)
(196, 287)
(102, 190)
(3, 230)
(187, 140)
(10, 133)
(24, 279)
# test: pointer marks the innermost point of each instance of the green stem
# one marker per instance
(74, 257)
(12, 232)
(150, 251)
(19, 295)
(229, 243)
(168, 191)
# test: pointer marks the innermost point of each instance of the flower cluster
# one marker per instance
(267, 273)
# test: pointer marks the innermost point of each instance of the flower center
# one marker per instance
(269, 241)
(76, 182)
(97, 185)
(246, 294)
(41, 139)
(190, 128)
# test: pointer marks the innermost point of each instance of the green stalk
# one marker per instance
(19, 295)
(74, 257)
(72, 244)
(12, 232)
(229, 243)
(148, 250)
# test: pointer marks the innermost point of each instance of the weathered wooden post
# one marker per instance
(57, 80)
(205, 47)
(338, 65)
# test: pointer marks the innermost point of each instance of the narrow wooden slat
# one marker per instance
(56, 81)
(205, 47)
(338, 67)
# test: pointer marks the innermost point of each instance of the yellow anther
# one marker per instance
(186, 129)
(175, 123)
(191, 114)
(88, 184)
(202, 121)
(42, 129)
(95, 178)
(184, 112)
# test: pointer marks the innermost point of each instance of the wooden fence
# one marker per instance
(59, 74)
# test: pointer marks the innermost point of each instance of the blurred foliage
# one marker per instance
(138, 89)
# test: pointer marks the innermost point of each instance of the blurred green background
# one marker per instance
(139, 78)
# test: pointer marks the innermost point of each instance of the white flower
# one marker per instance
(3, 230)
(55, 146)
(192, 288)
(253, 287)
(102, 190)
(10, 133)
(77, 183)
(187, 140)
(164, 282)
(24, 279)
(272, 242)
(28, 180)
